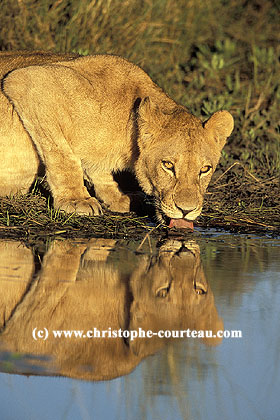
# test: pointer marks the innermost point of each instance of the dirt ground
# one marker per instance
(240, 201)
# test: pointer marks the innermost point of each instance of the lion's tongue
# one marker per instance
(181, 224)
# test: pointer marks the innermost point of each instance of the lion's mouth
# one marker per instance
(178, 223)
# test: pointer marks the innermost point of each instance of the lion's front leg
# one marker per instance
(67, 185)
(64, 173)
(42, 106)
(107, 190)
(65, 177)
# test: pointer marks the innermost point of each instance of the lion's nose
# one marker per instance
(185, 212)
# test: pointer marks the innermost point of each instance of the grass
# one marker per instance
(222, 54)
(29, 216)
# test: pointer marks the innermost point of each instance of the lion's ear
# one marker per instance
(220, 125)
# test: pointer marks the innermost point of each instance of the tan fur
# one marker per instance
(16, 271)
(88, 117)
(84, 285)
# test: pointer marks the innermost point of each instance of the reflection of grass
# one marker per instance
(244, 258)
(206, 55)
(11, 362)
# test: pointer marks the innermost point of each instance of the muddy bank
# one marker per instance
(242, 202)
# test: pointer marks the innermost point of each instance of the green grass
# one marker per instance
(221, 54)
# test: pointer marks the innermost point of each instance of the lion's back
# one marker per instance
(11, 60)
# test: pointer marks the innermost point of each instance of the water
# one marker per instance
(208, 282)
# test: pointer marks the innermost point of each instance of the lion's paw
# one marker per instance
(121, 205)
(86, 206)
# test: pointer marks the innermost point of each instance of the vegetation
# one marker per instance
(31, 217)
(221, 54)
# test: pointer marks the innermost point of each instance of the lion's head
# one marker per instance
(178, 155)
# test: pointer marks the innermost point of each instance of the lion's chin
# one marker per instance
(180, 224)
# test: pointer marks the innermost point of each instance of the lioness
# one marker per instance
(89, 117)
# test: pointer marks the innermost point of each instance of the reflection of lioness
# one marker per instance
(89, 117)
(82, 286)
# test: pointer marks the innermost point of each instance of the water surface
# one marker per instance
(209, 281)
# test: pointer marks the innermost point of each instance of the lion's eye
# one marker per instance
(162, 292)
(168, 165)
(199, 291)
(205, 170)
(199, 288)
